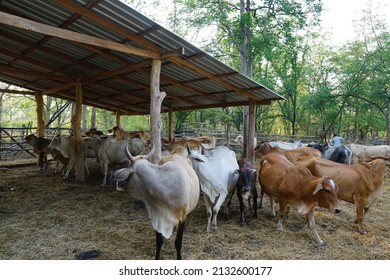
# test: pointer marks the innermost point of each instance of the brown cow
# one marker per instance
(359, 184)
(121, 134)
(39, 145)
(59, 158)
(296, 186)
(292, 155)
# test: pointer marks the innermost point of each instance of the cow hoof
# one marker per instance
(364, 232)
(243, 224)
(322, 243)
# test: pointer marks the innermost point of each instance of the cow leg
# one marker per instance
(159, 243)
(312, 223)
(209, 207)
(41, 160)
(242, 208)
(45, 161)
(360, 215)
(271, 200)
(57, 166)
(105, 172)
(179, 239)
(72, 161)
(261, 199)
(86, 167)
(254, 205)
(230, 201)
(282, 210)
(217, 206)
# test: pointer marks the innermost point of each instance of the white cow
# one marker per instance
(240, 140)
(170, 192)
(216, 169)
(286, 145)
(111, 152)
(366, 153)
(65, 144)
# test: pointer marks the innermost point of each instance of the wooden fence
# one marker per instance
(12, 144)
(12, 140)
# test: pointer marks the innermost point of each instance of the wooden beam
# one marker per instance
(76, 126)
(170, 124)
(39, 108)
(118, 118)
(14, 91)
(251, 131)
(193, 67)
(110, 25)
(37, 27)
(34, 74)
(156, 99)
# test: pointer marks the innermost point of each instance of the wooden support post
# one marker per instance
(76, 127)
(118, 119)
(156, 99)
(245, 112)
(40, 121)
(251, 131)
(170, 124)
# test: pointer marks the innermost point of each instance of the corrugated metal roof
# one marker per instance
(113, 80)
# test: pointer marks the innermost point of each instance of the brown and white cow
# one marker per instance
(359, 184)
(296, 186)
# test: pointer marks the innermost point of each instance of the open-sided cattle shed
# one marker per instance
(107, 55)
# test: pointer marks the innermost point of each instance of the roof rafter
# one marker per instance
(34, 26)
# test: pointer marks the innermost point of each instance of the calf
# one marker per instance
(67, 147)
(246, 187)
(296, 186)
(358, 184)
(59, 158)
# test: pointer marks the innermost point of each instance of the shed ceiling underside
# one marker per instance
(113, 79)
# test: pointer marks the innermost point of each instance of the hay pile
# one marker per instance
(44, 218)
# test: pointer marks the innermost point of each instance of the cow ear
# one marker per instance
(318, 187)
(237, 171)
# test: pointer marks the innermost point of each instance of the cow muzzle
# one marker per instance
(337, 210)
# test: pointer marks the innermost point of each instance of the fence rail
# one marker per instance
(12, 144)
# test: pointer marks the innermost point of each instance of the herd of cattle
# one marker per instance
(290, 174)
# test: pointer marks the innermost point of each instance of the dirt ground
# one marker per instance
(45, 218)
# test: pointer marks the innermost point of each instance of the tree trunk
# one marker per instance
(156, 99)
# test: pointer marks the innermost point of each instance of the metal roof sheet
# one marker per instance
(113, 80)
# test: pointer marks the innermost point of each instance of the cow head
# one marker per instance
(327, 191)
(197, 154)
(247, 176)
